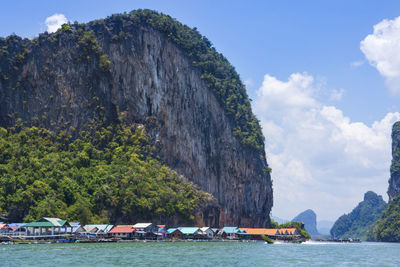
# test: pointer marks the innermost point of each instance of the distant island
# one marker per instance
(309, 218)
(360, 221)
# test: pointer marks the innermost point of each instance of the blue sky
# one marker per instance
(319, 41)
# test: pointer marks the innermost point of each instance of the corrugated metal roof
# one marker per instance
(48, 222)
(101, 227)
(91, 228)
(188, 230)
(171, 230)
(260, 231)
(54, 221)
(142, 225)
(230, 230)
(17, 224)
(39, 224)
(122, 229)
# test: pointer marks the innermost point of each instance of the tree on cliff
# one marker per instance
(108, 177)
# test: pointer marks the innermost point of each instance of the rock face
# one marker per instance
(309, 218)
(65, 84)
(394, 181)
(386, 228)
(359, 222)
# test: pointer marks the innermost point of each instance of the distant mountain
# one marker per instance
(279, 220)
(309, 218)
(359, 222)
(324, 227)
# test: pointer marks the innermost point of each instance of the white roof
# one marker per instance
(91, 228)
(142, 225)
(101, 227)
(54, 221)
(205, 229)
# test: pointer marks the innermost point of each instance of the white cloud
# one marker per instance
(382, 49)
(248, 82)
(336, 95)
(320, 159)
(357, 63)
(54, 22)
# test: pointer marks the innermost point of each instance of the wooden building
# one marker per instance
(122, 231)
(174, 233)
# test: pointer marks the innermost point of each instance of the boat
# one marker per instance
(268, 240)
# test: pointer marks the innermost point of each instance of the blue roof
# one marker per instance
(16, 224)
(188, 230)
(230, 230)
(171, 230)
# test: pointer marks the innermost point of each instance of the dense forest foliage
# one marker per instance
(387, 228)
(360, 221)
(105, 176)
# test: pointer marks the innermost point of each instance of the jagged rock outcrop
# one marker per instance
(394, 181)
(387, 227)
(360, 221)
(309, 218)
(123, 70)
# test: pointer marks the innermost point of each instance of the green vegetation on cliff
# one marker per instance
(387, 228)
(360, 221)
(105, 176)
(298, 225)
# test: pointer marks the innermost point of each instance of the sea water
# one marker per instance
(201, 254)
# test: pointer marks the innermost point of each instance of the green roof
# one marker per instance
(39, 224)
(48, 222)
(62, 222)
(188, 230)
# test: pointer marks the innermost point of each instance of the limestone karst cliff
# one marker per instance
(309, 218)
(360, 221)
(394, 181)
(144, 68)
(387, 227)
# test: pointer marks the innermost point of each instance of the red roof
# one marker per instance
(122, 229)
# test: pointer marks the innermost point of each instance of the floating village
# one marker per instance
(55, 230)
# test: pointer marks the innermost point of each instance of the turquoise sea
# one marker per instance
(201, 254)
